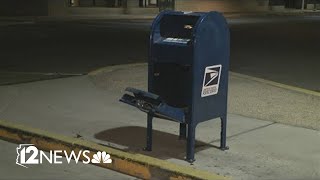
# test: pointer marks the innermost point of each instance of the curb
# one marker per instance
(136, 165)
(112, 68)
(276, 84)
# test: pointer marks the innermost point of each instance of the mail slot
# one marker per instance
(187, 74)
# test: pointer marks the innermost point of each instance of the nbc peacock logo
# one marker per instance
(101, 157)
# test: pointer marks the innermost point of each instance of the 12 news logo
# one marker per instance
(28, 154)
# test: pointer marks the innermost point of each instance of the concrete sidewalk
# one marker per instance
(88, 107)
(248, 96)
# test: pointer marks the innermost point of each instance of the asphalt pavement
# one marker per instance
(279, 48)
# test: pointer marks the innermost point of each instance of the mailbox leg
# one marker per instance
(149, 133)
(223, 135)
(191, 143)
(183, 131)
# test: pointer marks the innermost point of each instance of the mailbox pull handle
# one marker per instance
(152, 104)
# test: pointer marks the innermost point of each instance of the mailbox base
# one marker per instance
(183, 131)
(223, 134)
(149, 133)
(155, 107)
(224, 148)
(191, 139)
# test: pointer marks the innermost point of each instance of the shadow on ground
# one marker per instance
(165, 145)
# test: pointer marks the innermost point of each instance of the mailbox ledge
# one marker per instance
(136, 165)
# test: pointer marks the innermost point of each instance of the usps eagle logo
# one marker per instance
(211, 80)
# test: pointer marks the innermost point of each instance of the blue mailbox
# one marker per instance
(187, 74)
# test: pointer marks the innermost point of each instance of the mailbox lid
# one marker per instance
(178, 26)
(172, 37)
(174, 27)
